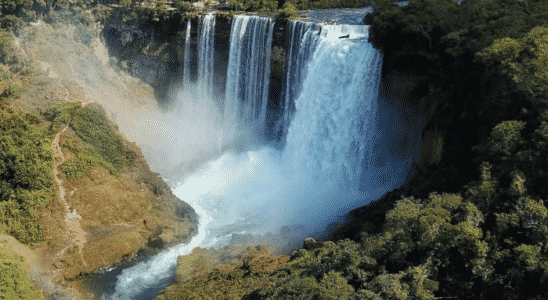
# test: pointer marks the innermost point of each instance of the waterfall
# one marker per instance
(301, 40)
(328, 165)
(335, 110)
(186, 70)
(206, 49)
(248, 74)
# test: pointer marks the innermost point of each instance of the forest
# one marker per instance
(472, 226)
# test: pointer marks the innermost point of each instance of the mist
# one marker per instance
(345, 144)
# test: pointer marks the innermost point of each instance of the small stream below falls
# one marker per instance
(347, 140)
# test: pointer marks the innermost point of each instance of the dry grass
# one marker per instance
(114, 212)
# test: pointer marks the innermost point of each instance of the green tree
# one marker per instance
(26, 166)
(26, 159)
(288, 12)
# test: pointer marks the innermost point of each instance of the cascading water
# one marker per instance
(328, 165)
(319, 172)
(146, 279)
(186, 68)
(248, 74)
(331, 133)
(301, 42)
(206, 49)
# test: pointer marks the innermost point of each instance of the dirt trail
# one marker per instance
(74, 234)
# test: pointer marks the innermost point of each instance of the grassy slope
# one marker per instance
(123, 205)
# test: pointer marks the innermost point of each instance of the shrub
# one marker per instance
(8, 52)
(183, 5)
(203, 274)
(12, 91)
(26, 158)
(5, 74)
(26, 165)
(77, 166)
(253, 5)
(18, 219)
(15, 282)
(288, 12)
(92, 126)
(69, 144)
(61, 114)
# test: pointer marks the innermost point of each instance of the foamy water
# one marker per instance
(327, 167)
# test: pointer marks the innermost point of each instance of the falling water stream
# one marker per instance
(328, 165)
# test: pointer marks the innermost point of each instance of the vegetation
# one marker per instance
(26, 162)
(27, 159)
(91, 124)
(14, 282)
(88, 157)
(216, 274)
(15, 13)
(322, 4)
(431, 44)
(254, 5)
(13, 90)
(26, 165)
(288, 12)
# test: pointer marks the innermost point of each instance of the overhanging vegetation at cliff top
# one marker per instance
(15, 13)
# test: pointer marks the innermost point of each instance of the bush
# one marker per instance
(5, 74)
(26, 165)
(87, 158)
(69, 144)
(12, 91)
(322, 4)
(8, 52)
(18, 219)
(288, 12)
(91, 124)
(201, 275)
(62, 113)
(253, 5)
(26, 158)
(15, 282)
(183, 5)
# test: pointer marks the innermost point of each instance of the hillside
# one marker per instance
(73, 189)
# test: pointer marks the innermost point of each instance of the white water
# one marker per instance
(248, 75)
(186, 67)
(301, 44)
(336, 108)
(206, 49)
(133, 281)
(327, 166)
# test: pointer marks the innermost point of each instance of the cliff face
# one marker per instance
(154, 52)
(445, 137)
